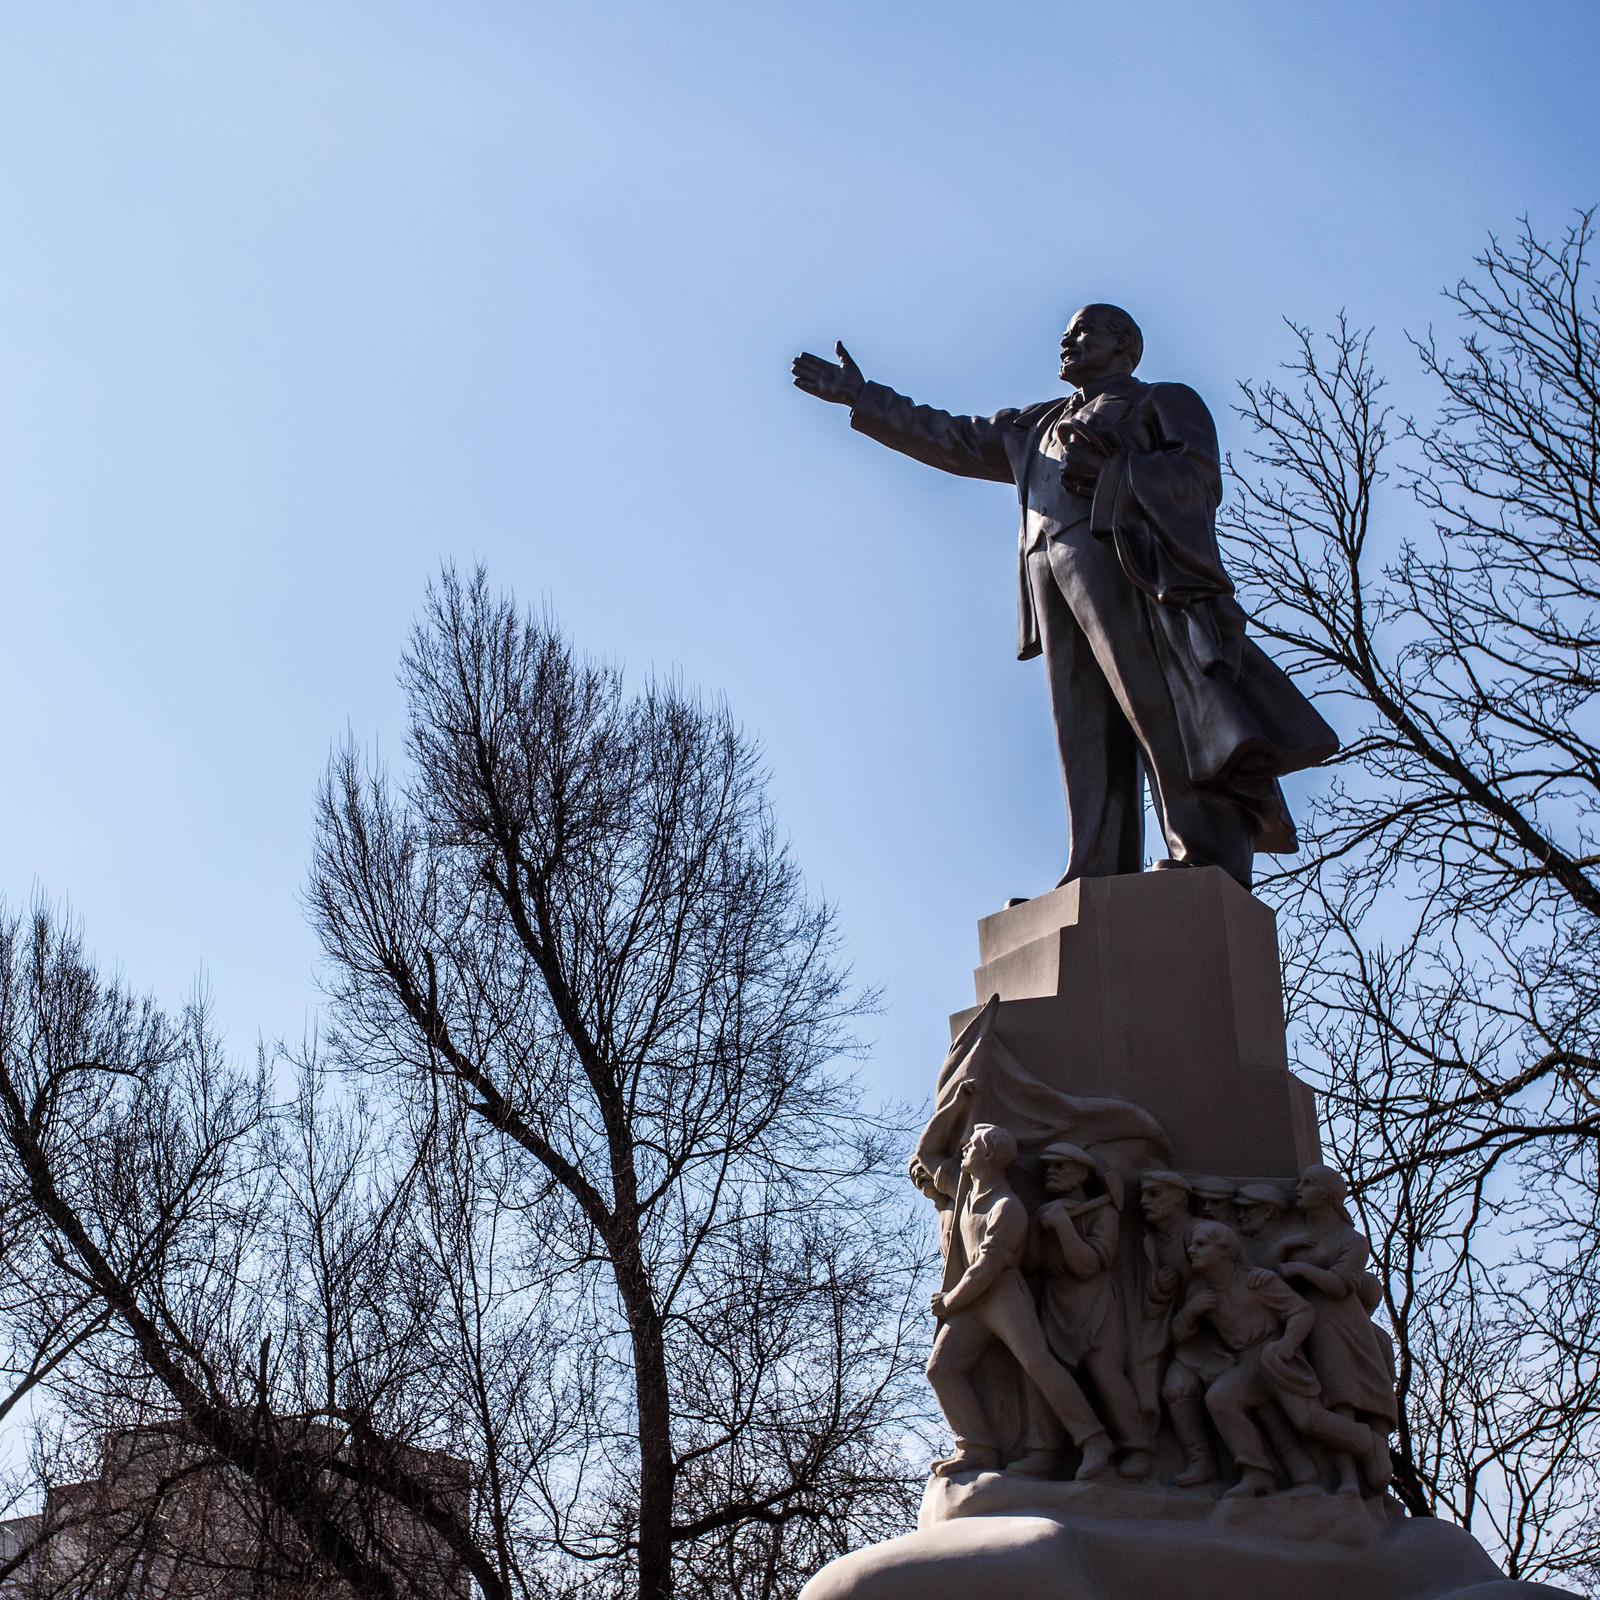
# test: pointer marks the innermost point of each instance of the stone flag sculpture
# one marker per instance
(981, 1081)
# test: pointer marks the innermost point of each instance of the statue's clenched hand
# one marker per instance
(840, 383)
(1087, 450)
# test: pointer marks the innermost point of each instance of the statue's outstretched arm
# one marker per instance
(970, 447)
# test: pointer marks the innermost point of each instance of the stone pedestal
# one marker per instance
(1140, 1020)
(1042, 1551)
(1161, 989)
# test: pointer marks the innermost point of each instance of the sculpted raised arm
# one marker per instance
(942, 1135)
(970, 447)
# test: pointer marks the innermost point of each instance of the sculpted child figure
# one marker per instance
(1074, 1246)
(1183, 1363)
(1264, 1323)
(989, 1301)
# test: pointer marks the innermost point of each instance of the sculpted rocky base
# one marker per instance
(1232, 1553)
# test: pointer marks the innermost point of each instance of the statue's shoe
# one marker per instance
(966, 1458)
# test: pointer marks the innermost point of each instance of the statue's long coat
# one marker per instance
(1243, 723)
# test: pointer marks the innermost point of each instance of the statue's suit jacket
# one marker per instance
(1243, 722)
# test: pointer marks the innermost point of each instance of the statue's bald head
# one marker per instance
(1100, 340)
(1122, 327)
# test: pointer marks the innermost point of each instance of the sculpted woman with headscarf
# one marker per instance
(1327, 1265)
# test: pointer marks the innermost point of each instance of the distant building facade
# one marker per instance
(162, 1519)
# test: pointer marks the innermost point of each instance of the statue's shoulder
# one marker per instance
(1029, 417)
(1177, 412)
(1162, 390)
(1170, 397)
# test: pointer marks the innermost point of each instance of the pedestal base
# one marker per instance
(1141, 1019)
(1278, 1548)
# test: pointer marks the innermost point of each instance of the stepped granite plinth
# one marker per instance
(1162, 989)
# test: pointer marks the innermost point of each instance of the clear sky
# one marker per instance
(297, 299)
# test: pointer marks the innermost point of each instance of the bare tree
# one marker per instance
(574, 924)
(173, 1444)
(1438, 580)
(584, 1271)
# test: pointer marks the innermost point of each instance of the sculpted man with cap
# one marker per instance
(985, 1301)
(1182, 1364)
(1074, 1247)
(1121, 589)
(1264, 1224)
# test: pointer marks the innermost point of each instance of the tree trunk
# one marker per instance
(657, 1466)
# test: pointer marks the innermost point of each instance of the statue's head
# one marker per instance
(1100, 342)
(1214, 1198)
(1320, 1187)
(1259, 1205)
(1211, 1244)
(1163, 1195)
(989, 1146)
(1066, 1167)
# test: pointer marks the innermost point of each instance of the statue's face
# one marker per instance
(1159, 1201)
(1314, 1190)
(1206, 1251)
(1090, 350)
(1215, 1207)
(1254, 1215)
(1062, 1177)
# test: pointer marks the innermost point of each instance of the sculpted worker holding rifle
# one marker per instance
(1121, 589)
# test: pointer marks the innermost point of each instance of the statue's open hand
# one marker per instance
(839, 383)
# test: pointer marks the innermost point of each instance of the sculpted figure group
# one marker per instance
(1218, 1326)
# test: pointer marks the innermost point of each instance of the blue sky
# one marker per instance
(298, 299)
